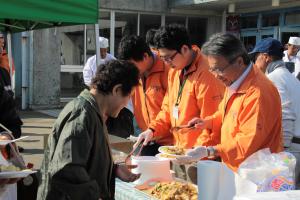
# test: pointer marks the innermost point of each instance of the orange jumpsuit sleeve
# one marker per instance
(253, 133)
(216, 125)
(209, 97)
(162, 122)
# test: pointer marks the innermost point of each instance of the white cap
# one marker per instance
(103, 42)
(1, 34)
(294, 41)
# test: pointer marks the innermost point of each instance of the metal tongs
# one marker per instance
(186, 126)
(138, 148)
(176, 128)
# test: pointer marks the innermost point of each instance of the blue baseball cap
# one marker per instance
(270, 46)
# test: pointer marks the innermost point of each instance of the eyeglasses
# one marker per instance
(220, 70)
(169, 58)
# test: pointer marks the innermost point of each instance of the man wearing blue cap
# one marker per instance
(268, 55)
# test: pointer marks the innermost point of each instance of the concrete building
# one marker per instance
(56, 56)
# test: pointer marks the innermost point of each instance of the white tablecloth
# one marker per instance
(287, 195)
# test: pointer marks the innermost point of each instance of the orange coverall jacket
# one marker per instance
(249, 120)
(201, 95)
(4, 62)
(148, 97)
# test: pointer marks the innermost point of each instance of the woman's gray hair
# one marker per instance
(226, 45)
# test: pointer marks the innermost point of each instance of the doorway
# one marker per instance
(251, 37)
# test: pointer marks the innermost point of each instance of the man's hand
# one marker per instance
(147, 136)
(201, 123)
(4, 137)
(6, 181)
(193, 155)
(123, 173)
(199, 152)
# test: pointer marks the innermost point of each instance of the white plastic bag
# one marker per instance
(270, 171)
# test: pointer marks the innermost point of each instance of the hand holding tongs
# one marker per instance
(188, 126)
(138, 147)
(191, 125)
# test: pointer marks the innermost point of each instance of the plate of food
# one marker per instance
(174, 190)
(172, 151)
(165, 156)
(11, 171)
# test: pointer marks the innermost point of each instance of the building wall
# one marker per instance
(17, 55)
(45, 69)
(143, 5)
(214, 25)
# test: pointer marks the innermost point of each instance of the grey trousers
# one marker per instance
(295, 150)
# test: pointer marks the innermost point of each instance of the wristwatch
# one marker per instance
(211, 152)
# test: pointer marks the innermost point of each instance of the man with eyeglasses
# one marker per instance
(249, 117)
(192, 90)
(290, 55)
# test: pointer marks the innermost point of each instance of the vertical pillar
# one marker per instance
(112, 32)
(163, 20)
(138, 24)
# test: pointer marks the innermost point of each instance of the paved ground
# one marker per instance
(37, 126)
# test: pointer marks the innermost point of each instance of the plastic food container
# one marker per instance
(151, 167)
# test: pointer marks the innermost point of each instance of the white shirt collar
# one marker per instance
(236, 84)
(287, 58)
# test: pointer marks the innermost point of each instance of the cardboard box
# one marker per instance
(120, 144)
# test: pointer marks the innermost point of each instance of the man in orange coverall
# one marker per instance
(249, 117)
(3, 55)
(192, 90)
(148, 96)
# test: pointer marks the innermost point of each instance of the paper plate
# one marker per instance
(5, 142)
(165, 156)
(16, 174)
(162, 149)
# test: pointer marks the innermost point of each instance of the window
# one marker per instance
(72, 60)
(249, 42)
(104, 24)
(125, 24)
(197, 30)
(249, 21)
(270, 20)
(292, 18)
(175, 19)
(148, 22)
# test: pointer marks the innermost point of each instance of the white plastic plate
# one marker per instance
(5, 142)
(16, 174)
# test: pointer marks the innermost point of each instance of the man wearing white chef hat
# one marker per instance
(90, 66)
(290, 55)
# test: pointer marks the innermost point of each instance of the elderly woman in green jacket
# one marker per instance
(78, 162)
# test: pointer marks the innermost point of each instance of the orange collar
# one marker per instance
(158, 66)
(249, 80)
(197, 60)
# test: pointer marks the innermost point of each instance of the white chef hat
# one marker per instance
(1, 34)
(103, 42)
(294, 41)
